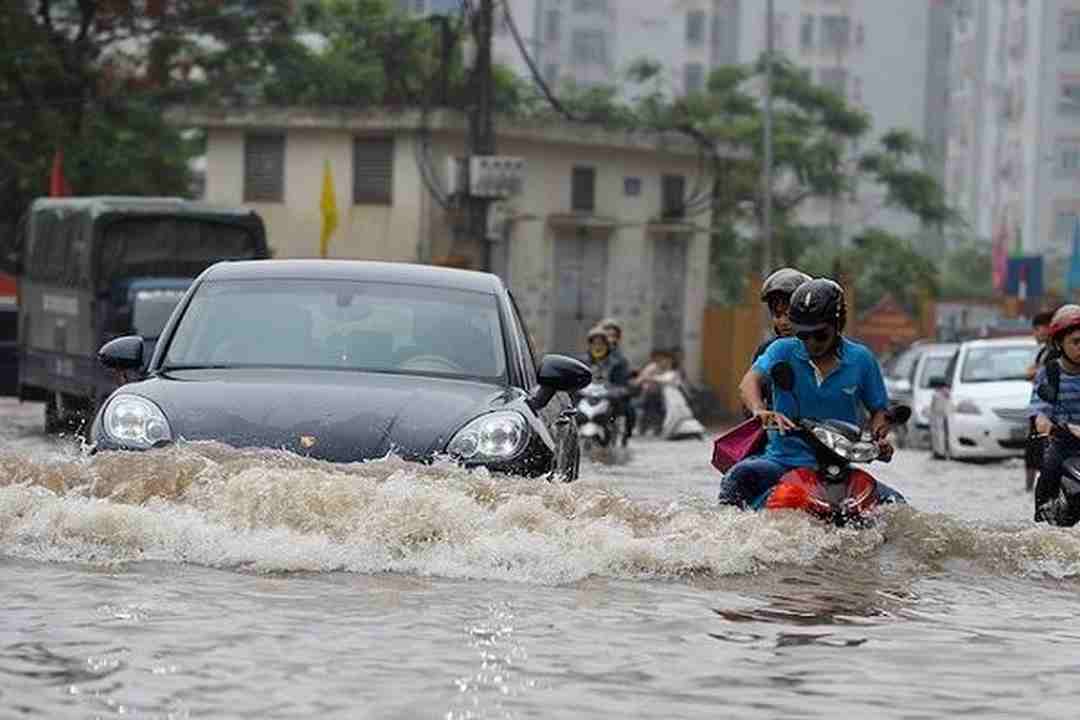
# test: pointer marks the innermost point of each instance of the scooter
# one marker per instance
(601, 422)
(1059, 506)
(836, 492)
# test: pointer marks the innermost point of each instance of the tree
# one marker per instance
(92, 78)
(967, 271)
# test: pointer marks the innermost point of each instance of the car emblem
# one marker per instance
(308, 441)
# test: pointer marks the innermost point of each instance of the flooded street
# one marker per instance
(202, 581)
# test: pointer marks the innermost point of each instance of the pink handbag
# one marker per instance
(743, 440)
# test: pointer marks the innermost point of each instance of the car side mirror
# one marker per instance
(937, 382)
(783, 376)
(558, 373)
(124, 354)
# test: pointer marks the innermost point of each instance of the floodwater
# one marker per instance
(203, 581)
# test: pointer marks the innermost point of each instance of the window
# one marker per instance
(673, 196)
(806, 33)
(264, 167)
(551, 32)
(835, 32)
(1067, 153)
(590, 6)
(693, 78)
(583, 189)
(834, 79)
(1070, 31)
(589, 47)
(695, 28)
(373, 171)
(1070, 97)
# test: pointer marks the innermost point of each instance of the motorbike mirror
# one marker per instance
(1046, 393)
(899, 415)
(783, 376)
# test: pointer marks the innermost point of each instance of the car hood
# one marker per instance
(330, 415)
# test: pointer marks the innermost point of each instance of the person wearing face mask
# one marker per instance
(834, 376)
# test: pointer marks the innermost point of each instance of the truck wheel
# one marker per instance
(53, 421)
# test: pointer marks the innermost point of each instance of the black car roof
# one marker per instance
(364, 270)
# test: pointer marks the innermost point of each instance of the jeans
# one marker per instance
(748, 480)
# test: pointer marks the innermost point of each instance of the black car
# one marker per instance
(347, 361)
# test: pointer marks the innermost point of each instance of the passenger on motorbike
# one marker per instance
(833, 375)
(1052, 419)
(776, 294)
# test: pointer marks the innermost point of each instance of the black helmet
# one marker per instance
(783, 281)
(817, 304)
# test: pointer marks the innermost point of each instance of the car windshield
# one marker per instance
(934, 366)
(998, 363)
(335, 324)
(151, 310)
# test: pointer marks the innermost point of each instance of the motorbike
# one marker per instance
(600, 417)
(836, 492)
(1060, 506)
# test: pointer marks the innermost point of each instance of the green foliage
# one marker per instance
(967, 271)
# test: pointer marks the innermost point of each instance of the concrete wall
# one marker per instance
(365, 232)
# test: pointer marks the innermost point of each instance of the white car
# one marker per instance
(926, 378)
(980, 407)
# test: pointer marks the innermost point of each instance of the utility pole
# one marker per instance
(766, 181)
(481, 123)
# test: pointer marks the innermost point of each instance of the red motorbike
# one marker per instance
(836, 492)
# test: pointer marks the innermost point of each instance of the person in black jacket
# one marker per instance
(1036, 443)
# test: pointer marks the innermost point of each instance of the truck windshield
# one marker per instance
(151, 310)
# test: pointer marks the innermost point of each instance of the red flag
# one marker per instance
(58, 185)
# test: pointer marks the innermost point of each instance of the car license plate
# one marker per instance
(1018, 432)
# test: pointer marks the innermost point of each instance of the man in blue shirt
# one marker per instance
(833, 377)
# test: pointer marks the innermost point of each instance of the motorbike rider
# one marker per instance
(603, 363)
(1033, 451)
(1063, 374)
(832, 376)
(613, 330)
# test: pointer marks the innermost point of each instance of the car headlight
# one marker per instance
(967, 407)
(497, 436)
(136, 422)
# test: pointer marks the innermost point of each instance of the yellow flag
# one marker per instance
(328, 205)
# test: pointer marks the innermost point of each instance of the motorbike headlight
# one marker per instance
(834, 441)
(967, 407)
(863, 452)
(497, 436)
(136, 422)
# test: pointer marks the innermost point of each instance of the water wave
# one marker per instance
(270, 511)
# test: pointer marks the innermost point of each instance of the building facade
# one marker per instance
(1014, 130)
(595, 233)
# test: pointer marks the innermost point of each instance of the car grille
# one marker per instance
(1016, 415)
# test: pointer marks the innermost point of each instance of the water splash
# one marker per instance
(271, 511)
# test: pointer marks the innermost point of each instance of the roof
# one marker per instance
(386, 120)
(370, 271)
(96, 205)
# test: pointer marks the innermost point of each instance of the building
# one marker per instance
(596, 231)
(1014, 130)
(589, 42)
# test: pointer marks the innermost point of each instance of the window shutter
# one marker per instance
(264, 167)
(672, 196)
(373, 171)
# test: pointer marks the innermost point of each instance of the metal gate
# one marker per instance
(581, 261)
(669, 290)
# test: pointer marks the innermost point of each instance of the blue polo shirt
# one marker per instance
(855, 380)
